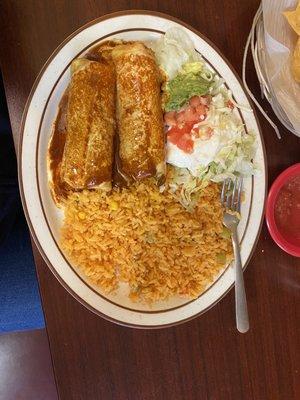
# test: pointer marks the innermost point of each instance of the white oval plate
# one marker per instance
(45, 219)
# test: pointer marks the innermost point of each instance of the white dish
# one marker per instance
(44, 218)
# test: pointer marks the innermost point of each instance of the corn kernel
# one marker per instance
(81, 215)
(113, 205)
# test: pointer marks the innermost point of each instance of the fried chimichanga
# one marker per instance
(88, 153)
(139, 113)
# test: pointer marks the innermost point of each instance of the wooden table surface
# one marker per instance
(205, 358)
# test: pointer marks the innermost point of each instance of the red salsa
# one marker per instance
(287, 211)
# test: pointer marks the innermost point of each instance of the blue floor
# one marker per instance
(20, 305)
(19, 296)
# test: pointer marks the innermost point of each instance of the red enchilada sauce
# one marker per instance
(59, 188)
(287, 211)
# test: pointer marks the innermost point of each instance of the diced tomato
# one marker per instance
(201, 110)
(205, 100)
(186, 116)
(201, 133)
(195, 132)
(230, 104)
(186, 143)
(180, 117)
(188, 126)
(206, 134)
(174, 135)
(191, 115)
(170, 118)
(194, 101)
(181, 137)
(209, 131)
(175, 132)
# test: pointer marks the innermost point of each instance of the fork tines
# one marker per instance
(231, 193)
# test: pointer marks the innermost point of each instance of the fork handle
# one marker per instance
(241, 310)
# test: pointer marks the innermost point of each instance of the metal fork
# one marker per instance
(231, 199)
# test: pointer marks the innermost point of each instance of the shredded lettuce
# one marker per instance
(185, 187)
(192, 67)
(234, 158)
(173, 50)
